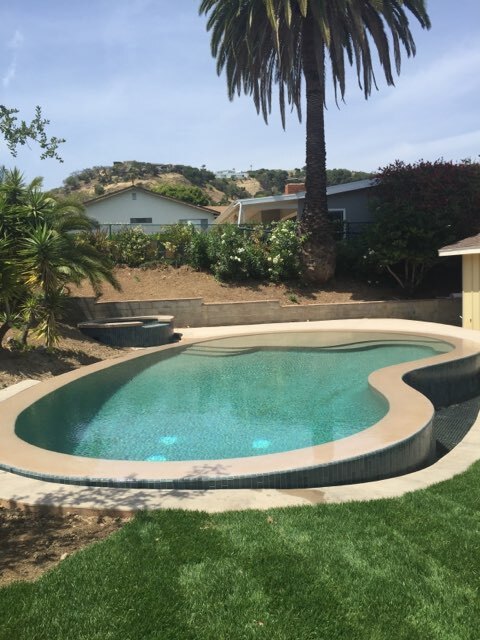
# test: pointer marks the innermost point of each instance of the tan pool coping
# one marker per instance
(18, 490)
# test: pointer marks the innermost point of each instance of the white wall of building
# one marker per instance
(134, 204)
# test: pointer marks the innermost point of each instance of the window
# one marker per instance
(134, 195)
(140, 220)
(202, 223)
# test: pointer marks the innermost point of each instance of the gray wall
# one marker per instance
(193, 312)
(354, 202)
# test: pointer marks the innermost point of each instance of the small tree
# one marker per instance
(419, 208)
(17, 133)
(185, 193)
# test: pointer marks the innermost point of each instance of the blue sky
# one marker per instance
(135, 80)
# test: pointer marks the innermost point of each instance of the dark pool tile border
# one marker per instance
(400, 457)
(383, 463)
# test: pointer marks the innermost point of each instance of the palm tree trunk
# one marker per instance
(319, 249)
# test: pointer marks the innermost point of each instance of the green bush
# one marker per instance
(198, 255)
(354, 260)
(284, 246)
(133, 247)
(174, 243)
(235, 255)
(185, 193)
(98, 239)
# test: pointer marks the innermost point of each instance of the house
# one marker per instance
(347, 203)
(140, 206)
(469, 249)
(231, 173)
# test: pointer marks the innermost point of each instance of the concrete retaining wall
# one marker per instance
(193, 312)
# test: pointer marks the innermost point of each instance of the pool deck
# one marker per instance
(33, 494)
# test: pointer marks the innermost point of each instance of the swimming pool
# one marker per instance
(229, 398)
(244, 411)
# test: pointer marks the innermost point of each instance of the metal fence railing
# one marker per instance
(342, 230)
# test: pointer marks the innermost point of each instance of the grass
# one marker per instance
(399, 569)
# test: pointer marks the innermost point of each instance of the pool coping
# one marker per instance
(124, 497)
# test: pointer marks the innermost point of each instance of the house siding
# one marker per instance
(120, 208)
(471, 291)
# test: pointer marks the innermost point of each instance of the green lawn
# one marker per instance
(405, 568)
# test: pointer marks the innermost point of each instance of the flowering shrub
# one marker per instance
(236, 254)
(133, 247)
(283, 247)
(230, 252)
(174, 243)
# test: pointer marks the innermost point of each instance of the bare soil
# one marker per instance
(31, 543)
(74, 350)
(166, 282)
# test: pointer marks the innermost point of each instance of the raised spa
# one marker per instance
(269, 410)
(132, 331)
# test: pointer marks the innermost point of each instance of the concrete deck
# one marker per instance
(34, 494)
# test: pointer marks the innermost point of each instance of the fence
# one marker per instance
(342, 230)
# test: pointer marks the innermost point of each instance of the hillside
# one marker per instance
(203, 185)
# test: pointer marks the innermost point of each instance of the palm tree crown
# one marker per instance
(262, 43)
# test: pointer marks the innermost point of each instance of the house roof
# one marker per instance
(219, 208)
(288, 200)
(113, 194)
(462, 247)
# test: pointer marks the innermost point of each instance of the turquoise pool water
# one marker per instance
(222, 399)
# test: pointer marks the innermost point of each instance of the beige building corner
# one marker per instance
(469, 249)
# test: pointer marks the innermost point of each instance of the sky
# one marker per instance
(135, 80)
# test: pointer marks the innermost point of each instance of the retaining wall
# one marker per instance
(193, 312)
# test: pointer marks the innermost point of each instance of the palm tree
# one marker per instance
(260, 43)
(41, 252)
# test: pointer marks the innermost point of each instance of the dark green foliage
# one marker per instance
(174, 243)
(198, 254)
(133, 247)
(419, 208)
(238, 254)
(42, 250)
(199, 177)
(342, 176)
(272, 181)
(230, 188)
(192, 195)
(72, 182)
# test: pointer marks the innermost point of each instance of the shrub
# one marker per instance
(236, 254)
(198, 255)
(174, 243)
(283, 246)
(418, 209)
(185, 193)
(132, 247)
(98, 239)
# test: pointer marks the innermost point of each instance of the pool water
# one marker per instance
(220, 399)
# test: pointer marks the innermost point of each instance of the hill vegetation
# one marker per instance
(192, 184)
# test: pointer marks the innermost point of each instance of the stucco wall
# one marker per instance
(122, 207)
(354, 202)
(193, 312)
(471, 291)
